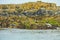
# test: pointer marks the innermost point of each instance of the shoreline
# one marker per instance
(28, 29)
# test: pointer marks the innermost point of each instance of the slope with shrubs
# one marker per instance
(32, 15)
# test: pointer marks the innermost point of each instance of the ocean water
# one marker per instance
(24, 34)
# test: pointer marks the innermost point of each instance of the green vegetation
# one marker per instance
(30, 18)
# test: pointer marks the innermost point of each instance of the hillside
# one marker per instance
(29, 6)
(31, 15)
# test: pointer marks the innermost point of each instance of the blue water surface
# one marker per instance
(24, 34)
